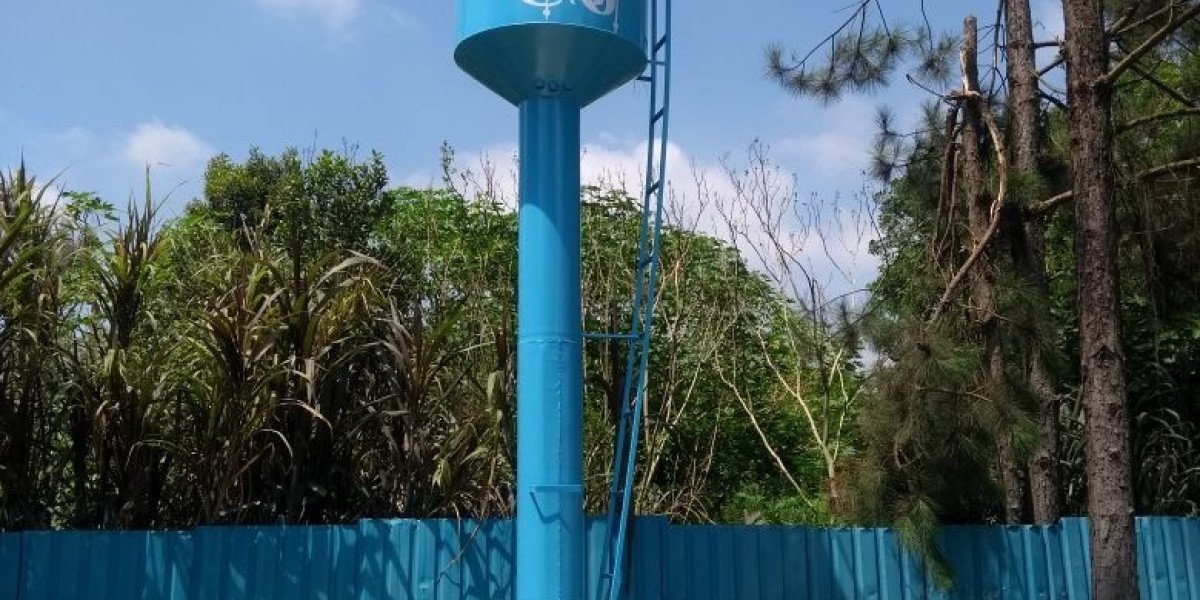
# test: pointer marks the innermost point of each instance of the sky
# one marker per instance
(97, 91)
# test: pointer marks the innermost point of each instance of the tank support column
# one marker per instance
(550, 523)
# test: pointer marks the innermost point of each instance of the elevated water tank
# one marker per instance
(577, 49)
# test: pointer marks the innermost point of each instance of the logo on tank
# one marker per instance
(603, 8)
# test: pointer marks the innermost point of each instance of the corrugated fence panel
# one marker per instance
(10, 564)
(473, 560)
(646, 576)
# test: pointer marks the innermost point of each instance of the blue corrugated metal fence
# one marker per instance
(461, 560)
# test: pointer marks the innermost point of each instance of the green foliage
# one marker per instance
(31, 257)
(917, 525)
(305, 346)
(330, 201)
(752, 506)
(861, 56)
(931, 418)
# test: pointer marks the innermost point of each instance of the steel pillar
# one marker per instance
(550, 523)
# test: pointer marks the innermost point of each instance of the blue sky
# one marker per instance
(100, 89)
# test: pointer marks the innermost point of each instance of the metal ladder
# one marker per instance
(633, 394)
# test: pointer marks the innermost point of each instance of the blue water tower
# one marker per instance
(550, 58)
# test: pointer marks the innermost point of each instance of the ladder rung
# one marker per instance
(662, 41)
(659, 115)
(654, 186)
(645, 78)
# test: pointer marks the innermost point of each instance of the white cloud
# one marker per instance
(335, 13)
(400, 19)
(157, 144)
(419, 179)
(842, 149)
(73, 142)
(610, 163)
(753, 202)
(49, 194)
(492, 171)
(840, 152)
(693, 185)
(826, 238)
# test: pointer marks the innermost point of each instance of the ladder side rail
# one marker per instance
(659, 115)
(639, 295)
(621, 446)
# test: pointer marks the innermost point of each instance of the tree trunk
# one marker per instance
(1023, 109)
(1043, 466)
(1023, 103)
(1102, 379)
(979, 216)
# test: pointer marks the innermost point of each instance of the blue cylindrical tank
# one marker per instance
(575, 49)
(550, 58)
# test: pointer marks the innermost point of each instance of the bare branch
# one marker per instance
(946, 193)
(1052, 100)
(973, 95)
(1048, 205)
(1166, 89)
(1158, 36)
(1174, 167)
(1122, 25)
(1057, 62)
(1162, 116)
(762, 436)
